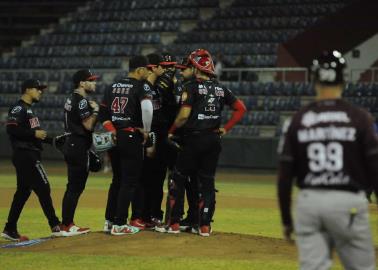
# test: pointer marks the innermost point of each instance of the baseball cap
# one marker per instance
(138, 62)
(183, 64)
(84, 75)
(154, 60)
(168, 59)
(32, 83)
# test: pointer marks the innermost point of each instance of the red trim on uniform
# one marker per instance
(179, 66)
(93, 78)
(186, 105)
(130, 129)
(11, 124)
(172, 129)
(108, 125)
(103, 104)
(151, 65)
(167, 63)
(146, 98)
(239, 110)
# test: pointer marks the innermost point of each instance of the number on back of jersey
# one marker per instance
(119, 104)
(325, 157)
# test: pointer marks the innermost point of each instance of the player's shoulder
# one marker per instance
(79, 101)
(17, 107)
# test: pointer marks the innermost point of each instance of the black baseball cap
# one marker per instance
(183, 64)
(138, 62)
(154, 59)
(32, 83)
(84, 75)
(168, 59)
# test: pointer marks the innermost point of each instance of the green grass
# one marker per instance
(26, 261)
(248, 219)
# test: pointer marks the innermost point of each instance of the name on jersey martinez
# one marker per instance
(325, 146)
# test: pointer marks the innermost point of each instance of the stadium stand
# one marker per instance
(21, 19)
(102, 34)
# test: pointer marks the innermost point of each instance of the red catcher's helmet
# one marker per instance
(202, 60)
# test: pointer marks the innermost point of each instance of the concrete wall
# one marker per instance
(368, 54)
(253, 153)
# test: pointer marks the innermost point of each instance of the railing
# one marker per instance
(269, 73)
(46, 72)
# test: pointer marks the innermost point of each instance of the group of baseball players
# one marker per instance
(158, 125)
(163, 126)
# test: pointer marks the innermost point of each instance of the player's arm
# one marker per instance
(238, 110)
(147, 113)
(370, 142)
(184, 112)
(104, 114)
(285, 179)
(144, 95)
(88, 118)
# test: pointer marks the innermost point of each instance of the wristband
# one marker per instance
(172, 129)
(109, 126)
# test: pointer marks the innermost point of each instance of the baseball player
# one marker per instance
(126, 110)
(26, 136)
(330, 148)
(80, 118)
(146, 205)
(190, 222)
(199, 117)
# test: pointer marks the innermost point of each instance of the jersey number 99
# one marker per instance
(325, 157)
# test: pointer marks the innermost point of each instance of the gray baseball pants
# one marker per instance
(329, 219)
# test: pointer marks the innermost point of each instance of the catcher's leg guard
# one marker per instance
(206, 203)
(175, 197)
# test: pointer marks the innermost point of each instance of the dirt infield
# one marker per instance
(148, 243)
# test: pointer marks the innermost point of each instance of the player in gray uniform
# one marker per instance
(330, 148)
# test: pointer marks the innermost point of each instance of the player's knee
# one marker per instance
(207, 182)
(23, 192)
(76, 187)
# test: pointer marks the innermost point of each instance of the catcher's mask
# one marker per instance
(202, 60)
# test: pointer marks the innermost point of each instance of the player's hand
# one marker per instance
(114, 136)
(170, 135)
(287, 232)
(40, 134)
(150, 151)
(94, 105)
(222, 131)
(144, 133)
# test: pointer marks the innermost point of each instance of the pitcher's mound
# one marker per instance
(147, 243)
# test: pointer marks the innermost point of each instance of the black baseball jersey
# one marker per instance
(328, 144)
(76, 109)
(21, 126)
(159, 119)
(121, 103)
(207, 100)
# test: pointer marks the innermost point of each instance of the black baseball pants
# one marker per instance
(77, 159)
(130, 155)
(31, 176)
(199, 158)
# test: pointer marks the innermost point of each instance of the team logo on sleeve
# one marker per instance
(16, 109)
(83, 104)
(146, 87)
(34, 122)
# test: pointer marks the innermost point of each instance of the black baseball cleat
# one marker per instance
(186, 224)
(13, 235)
